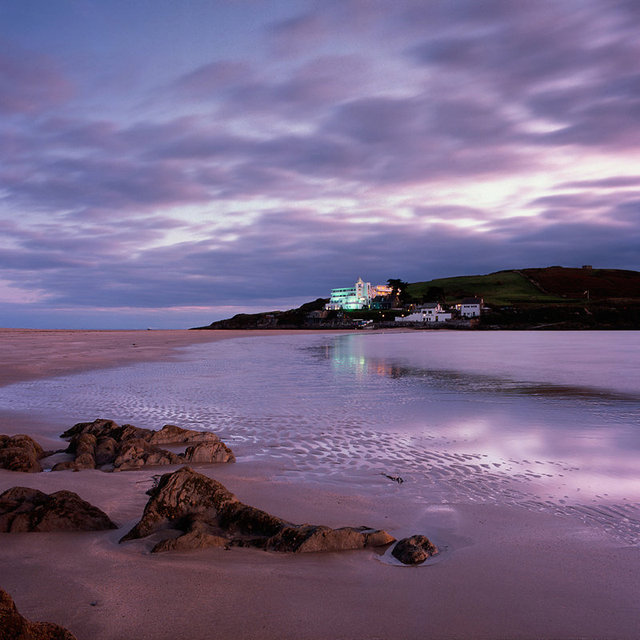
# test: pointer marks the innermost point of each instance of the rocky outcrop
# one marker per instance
(137, 453)
(206, 452)
(170, 434)
(23, 509)
(414, 550)
(103, 443)
(20, 453)
(13, 626)
(208, 515)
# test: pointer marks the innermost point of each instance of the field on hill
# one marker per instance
(599, 283)
(498, 289)
(548, 286)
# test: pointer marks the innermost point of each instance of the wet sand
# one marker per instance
(31, 353)
(504, 572)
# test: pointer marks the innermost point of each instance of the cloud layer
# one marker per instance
(342, 139)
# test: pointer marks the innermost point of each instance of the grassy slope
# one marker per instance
(500, 288)
(611, 284)
(548, 286)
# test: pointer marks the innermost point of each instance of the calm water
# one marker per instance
(547, 421)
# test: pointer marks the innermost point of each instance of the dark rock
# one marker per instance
(206, 452)
(414, 550)
(13, 626)
(104, 443)
(23, 509)
(301, 538)
(177, 498)
(99, 427)
(200, 536)
(137, 453)
(105, 451)
(170, 434)
(20, 453)
(209, 515)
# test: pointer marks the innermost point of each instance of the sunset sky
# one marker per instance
(167, 163)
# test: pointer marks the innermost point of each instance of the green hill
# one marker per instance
(500, 288)
(550, 285)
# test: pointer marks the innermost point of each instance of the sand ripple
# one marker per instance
(315, 421)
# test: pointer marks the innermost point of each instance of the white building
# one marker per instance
(357, 297)
(430, 312)
(470, 307)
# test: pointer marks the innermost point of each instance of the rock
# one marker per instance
(98, 427)
(304, 538)
(105, 451)
(414, 550)
(23, 509)
(199, 536)
(210, 515)
(20, 453)
(103, 443)
(178, 497)
(137, 453)
(83, 443)
(13, 626)
(209, 452)
(170, 434)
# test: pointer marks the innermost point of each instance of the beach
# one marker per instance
(504, 571)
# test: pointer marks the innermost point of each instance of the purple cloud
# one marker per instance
(30, 83)
(294, 35)
(275, 156)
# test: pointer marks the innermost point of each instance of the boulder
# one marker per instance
(414, 550)
(211, 516)
(99, 427)
(13, 626)
(177, 498)
(105, 451)
(136, 453)
(170, 434)
(104, 443)
(199, 536)
(207, 452)
(20, 453)
(23, 509)
(304, 538)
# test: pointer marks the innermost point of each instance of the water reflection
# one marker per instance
(350, 355)
(460, 416)
(573, 440)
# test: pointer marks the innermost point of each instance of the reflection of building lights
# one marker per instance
(345, 357)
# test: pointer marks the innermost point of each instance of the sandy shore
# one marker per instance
(31, 353)
(505, 572)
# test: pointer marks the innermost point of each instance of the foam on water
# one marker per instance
(545, 421)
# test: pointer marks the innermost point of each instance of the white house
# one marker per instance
(470, 307)
(429, 312)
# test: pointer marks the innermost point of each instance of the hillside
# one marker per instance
(601, 284)
(553, 297)
(550, 285)
(500, 288)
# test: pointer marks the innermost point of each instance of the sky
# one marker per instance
(165, 164)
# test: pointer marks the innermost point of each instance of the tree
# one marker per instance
(398, 289)
(434, 294)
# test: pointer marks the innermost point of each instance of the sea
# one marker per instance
(543, 421)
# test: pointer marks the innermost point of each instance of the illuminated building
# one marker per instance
(357, 297)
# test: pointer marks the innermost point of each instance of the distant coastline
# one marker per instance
(551, 298)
